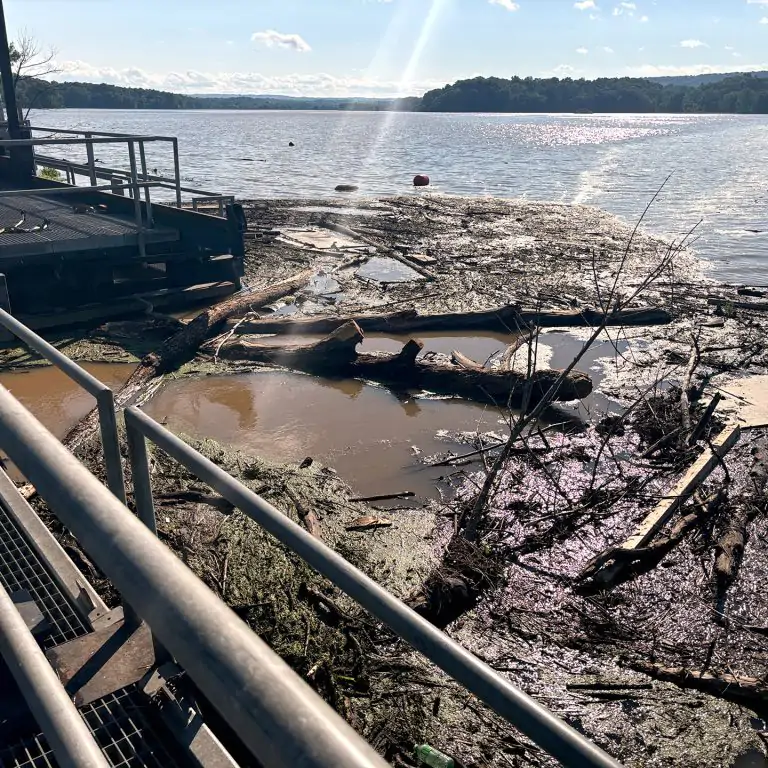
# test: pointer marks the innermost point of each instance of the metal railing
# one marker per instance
(105, 400)
(94, 170)
(54, 711)
(135, 180)
(235, 669)
(275, 713)
(539, 724)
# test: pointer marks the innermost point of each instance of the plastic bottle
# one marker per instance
(433, 757)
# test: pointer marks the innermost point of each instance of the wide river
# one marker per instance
(718, 163)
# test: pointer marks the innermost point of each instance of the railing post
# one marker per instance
(147, 201)
(110, 443)
(176, 173)
(142, 498)
(91, 161)
(142, 482)
(136, 201)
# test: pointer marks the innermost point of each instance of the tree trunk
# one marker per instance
(509, 319)
(182, 347)
(335, 355)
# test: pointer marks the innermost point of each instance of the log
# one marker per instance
(730, 549)
(182, 347)
(335, 355)
(628, 563)
(508, 319)
(749, 690)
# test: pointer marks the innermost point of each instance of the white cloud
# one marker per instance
(582, 51)
(508, 4)
(736, 55)
(608, 49)
(692, 44)
(273, 39)
(629, 6)
(585, 5)
(193, 81)
(643, 19)
(655, 70)
(757, 2)
(764, 20)
(728, 47)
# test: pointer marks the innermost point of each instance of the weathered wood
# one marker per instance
(700, 469)
(508, 319)
(730, 549)
(335, 355)
(307, 516)
(183, 346)
(736, 688)
(624, 564)
(721, 301)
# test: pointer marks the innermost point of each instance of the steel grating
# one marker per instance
(20, 568)
(122, 724)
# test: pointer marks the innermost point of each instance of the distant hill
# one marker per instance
(734, 94)
(695, 80)
(46, 94)
(741, 94)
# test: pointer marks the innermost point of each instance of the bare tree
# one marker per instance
(30, 61)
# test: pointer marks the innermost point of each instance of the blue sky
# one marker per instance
(386, 47)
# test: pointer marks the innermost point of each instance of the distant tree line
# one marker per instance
(44, 94)
(741, 94)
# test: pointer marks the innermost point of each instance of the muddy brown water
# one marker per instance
(57, 401)
(371, 436)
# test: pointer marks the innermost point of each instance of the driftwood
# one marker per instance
(749, 690)
(336, 355)
(508, 319)
(307, 516)
(628, 563)
(182, 347)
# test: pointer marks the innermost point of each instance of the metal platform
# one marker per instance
(67, 231)
(124, 726)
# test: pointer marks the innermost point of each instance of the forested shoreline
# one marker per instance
(739, 94)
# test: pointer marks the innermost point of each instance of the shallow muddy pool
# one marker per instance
(372, 438)
(55, 399)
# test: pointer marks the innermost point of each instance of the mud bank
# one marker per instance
(577, 482)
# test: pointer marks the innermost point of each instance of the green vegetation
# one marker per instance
(49, 173)
(742, 94)
(739, 94)
(51, 95)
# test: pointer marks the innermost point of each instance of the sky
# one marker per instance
(386, 47)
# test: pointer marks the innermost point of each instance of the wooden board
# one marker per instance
(103, 662)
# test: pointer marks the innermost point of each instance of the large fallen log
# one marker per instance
(509, 319)
(336, 355)
(744, 690)
(182, 346)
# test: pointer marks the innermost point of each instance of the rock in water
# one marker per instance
(347, 188)
(421, 180)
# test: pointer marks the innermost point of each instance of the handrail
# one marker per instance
(535, 721)
(66, 732)
(276, 714)
(105, 401)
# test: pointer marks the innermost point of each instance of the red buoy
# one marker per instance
(421, 180)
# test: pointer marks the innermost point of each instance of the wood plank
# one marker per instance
(103, 662)
(695, 475)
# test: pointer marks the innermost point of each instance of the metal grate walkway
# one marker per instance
(20, 568)
(122, 726)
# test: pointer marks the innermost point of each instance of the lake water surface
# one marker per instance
(615, 162)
